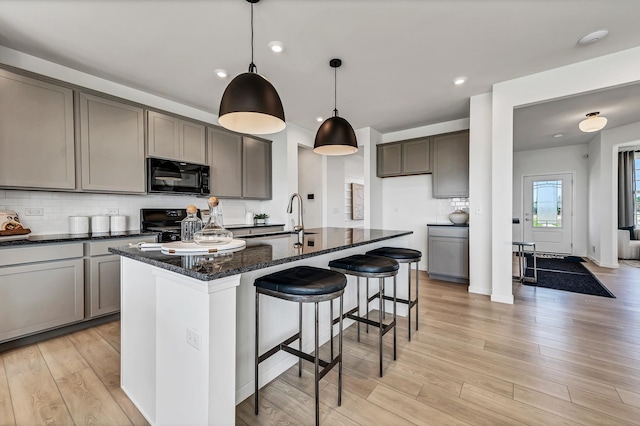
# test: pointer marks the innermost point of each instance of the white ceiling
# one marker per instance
(399, 57)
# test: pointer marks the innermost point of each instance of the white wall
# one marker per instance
(368, 138)
(567, 159)
(310, 182)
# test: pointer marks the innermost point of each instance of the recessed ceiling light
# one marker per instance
(593, 37)
(459, 80)
(558, 135)
(276, 46)
(319, 119)
(221, 73)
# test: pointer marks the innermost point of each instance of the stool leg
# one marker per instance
(380, 284)
(300, 338)
(384, 314)
(409, 299)
(340, 355)
(394, 317)
(358, 305)
(255, 401)
(367, 307)
(331, 325)
(317, 366)
(417, 293)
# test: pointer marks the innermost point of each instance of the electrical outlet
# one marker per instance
(193, 338)
(34, 211)
(112, 211)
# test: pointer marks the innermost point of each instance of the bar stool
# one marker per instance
(361, 265)
(302, 284)
(403, 255)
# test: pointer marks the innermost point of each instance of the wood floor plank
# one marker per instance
(111, 333)
(62, 357)
(100, 355)
(629, 398)
(6, 409)
(616, 409)
(21, 360)
(566, 409)
(36, 399)
(521, 412)
(127, 406)
(89, 401)
(411, 409)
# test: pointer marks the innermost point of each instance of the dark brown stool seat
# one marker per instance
(368, 266)
(302, 284)
(403, 255)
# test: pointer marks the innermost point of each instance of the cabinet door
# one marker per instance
(192, 143)
(36, 134)
(225, 161)
(112, 144)
(256, 173)
(448, 257)
(40, 296)
(104, 285)
(416, 157)
(451, 165)
(389, 159)
(163, 136)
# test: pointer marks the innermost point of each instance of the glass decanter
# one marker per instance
(190, 225)
(213, 232)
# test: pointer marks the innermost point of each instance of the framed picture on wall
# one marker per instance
(357, 201)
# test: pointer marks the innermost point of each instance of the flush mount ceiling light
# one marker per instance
(593, 37)
(276, 46)
(335, 136)
(250, 104)
(592, 123)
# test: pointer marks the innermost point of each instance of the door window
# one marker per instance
(547, 204)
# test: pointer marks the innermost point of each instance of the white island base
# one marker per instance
(187, 345)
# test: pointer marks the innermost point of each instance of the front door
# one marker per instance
(548, 212)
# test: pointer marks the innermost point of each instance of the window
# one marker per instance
(547, 204)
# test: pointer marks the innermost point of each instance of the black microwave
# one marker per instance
(177, 177)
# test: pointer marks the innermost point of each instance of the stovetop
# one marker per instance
(164, 221)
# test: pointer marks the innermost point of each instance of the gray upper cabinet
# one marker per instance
(451, 165)
(112, 145)
(225, 161)
(36, 134)
(240, 165)
(410, 157)
(256, 173)
(172, 138)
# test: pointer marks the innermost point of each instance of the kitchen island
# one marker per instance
(187, 334)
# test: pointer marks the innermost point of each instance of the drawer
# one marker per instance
(101, 247)
(449, 231)
(39, 253)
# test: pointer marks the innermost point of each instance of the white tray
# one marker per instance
(180, 248)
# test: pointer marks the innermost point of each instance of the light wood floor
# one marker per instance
(552, 358)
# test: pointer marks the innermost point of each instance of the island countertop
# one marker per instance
(261, 252)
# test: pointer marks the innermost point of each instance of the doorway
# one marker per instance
(548, 212)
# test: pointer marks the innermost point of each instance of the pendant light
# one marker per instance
(335, 136)
(592, 123)
(250, 104)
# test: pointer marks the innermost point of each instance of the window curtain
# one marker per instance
(626, 188)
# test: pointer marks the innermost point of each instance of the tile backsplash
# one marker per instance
(56, 207)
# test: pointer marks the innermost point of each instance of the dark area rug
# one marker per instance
(567, 274)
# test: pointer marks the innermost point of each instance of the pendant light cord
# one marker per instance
(252, 66)
(335, 91)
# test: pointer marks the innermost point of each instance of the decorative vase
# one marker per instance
(459, 217)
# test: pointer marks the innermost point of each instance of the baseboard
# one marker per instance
(502, 298)
(604, 265)
(480, 290)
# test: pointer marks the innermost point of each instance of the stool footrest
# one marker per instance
(411, 303)
(278, 347)
(304, 355)
(385, 327)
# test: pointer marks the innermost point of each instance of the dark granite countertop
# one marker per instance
(462, 225)
(65, 238)
(243, 226)
(261, 252)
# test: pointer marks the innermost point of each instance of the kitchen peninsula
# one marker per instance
(188, 321)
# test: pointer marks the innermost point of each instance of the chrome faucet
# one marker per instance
(300, 226)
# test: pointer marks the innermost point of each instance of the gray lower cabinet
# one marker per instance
(102, 275)
(410, 157)
(175, 139)
(240, 165)
(36, 134)
(451, 165)
(448, 253)
(112, 145)
(42, 289)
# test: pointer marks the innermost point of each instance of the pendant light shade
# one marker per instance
(335, 136)
(250, 103)
(592, 123)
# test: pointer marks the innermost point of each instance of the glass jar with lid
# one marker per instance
(213, 233)
(190, 225)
